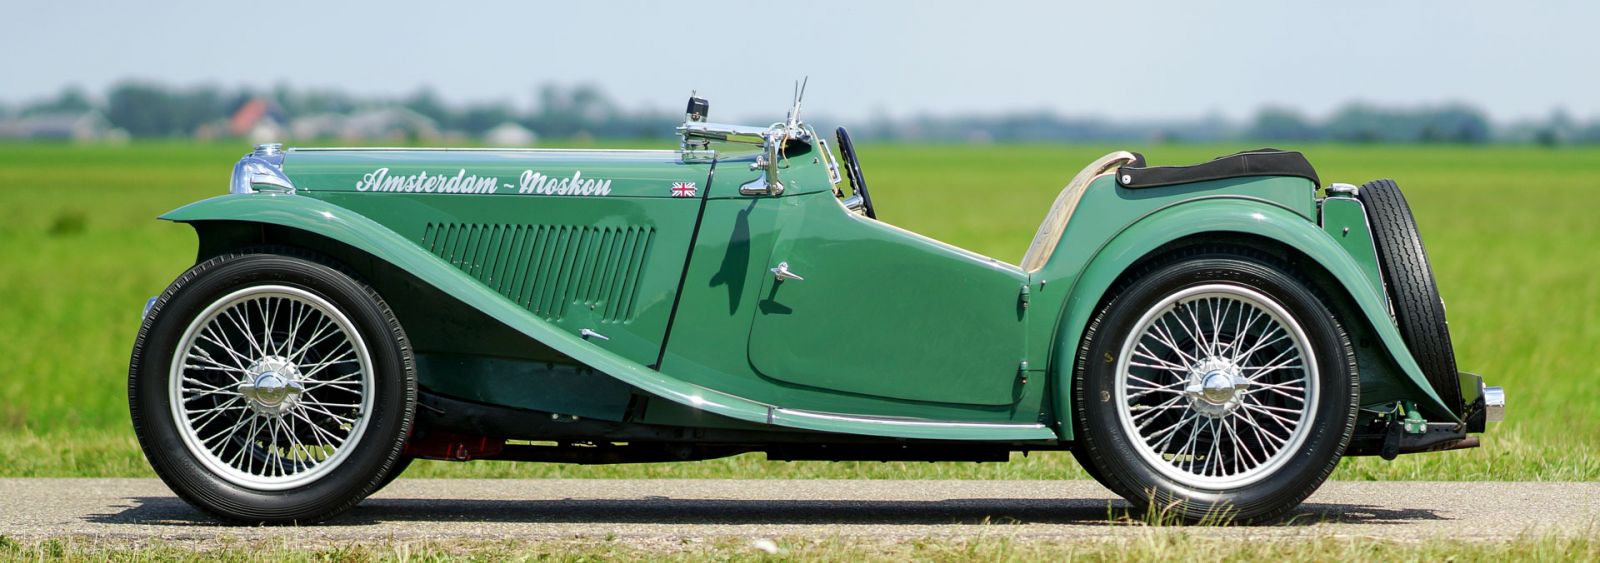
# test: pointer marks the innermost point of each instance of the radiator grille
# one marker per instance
(548, 268)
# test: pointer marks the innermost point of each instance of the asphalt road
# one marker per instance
(652, 510)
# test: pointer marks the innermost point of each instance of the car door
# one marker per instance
(879, 311)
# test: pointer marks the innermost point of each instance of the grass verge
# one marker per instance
(1154, 545)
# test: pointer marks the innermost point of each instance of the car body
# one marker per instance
(600, 306)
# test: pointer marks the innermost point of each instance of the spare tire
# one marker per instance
(1418, 309)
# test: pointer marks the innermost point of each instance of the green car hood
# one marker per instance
(590, 173)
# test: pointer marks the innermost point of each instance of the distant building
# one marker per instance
(392, 124)
(510, 134)
(258, 120)
(84, 126)
(319, 126)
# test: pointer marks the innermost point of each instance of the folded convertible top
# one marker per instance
(1258, 162)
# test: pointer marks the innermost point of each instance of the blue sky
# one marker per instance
(1119, 60)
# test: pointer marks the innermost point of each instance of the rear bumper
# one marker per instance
(1485, 403)
(1391, 436)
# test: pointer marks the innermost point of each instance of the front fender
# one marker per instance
(340, 224)
(1222, 216)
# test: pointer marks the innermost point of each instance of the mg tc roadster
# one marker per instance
(1208, 339)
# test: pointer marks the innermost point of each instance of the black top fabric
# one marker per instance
(1259, 162)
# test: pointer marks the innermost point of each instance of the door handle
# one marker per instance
(782, 273)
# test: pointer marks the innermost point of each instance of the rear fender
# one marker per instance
(1229, 216)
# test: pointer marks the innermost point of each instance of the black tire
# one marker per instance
(371, 458)
(394, 472)
(1112, 453)
(1408, 277)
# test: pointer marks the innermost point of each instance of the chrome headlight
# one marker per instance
(261, 170)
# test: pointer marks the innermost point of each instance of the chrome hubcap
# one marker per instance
(1217, 386)
(271, 387)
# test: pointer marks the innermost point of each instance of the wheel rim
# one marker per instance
(271, 387)
(1217, 386)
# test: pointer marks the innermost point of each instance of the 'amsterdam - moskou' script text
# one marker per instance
(462, 183)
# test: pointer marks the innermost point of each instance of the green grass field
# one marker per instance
(1514, 234)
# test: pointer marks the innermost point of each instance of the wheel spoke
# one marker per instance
(324, 435)
(1171, 431)
(310, 371)
(1152, 383)
(1147, 410)
(1213, 455)
(248, 416)
(325, 329)
(214, 412)
(1198, 334)
(1262, 342)
(1163, 334)
(1159, 364)
(242, 322)
(210, 334)
(326, 412)
(198, 354)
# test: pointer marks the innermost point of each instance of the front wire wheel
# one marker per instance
(1215, 384)
(272, 387)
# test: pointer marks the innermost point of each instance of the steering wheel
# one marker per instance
(859, 199)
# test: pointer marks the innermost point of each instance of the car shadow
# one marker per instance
(170, 511)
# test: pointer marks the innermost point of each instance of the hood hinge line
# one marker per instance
(683, 277)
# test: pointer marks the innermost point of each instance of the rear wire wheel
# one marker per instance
(1215, 385)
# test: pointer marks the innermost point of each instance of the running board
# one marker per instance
(910, 427)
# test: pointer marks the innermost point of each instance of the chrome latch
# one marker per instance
(587, 334)
(782, 273)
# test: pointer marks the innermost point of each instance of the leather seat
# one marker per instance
(1055, 222)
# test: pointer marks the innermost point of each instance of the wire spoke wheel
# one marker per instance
(271, 387)
(1216, 386)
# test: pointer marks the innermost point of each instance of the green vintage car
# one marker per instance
(1209, 339)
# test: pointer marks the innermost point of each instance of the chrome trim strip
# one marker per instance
(724, 132)
(1342, 189)
(903, 422)
(663, 152)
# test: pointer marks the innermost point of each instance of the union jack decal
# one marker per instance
(683, 189)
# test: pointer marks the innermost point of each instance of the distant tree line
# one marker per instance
(150, 110)
(1363, 123)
